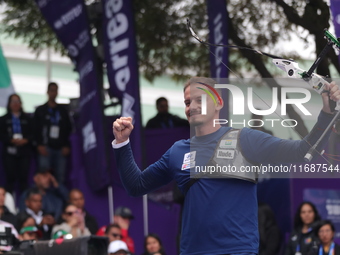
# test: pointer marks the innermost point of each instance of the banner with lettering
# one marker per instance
(327, 202)
(68, 19)
(218, 34)
(122, 64)
(335, 8)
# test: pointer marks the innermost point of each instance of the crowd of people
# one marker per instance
(47, 210)
(37, 221)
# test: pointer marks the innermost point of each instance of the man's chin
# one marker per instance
(195, 123)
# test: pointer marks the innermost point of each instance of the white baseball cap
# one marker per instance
(117, 245)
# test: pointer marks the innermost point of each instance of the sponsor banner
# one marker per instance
(69, 21)
(218, 27)
(335, 8)
(327, 202)
(122, 64)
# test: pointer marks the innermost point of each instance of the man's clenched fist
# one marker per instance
(122, 128)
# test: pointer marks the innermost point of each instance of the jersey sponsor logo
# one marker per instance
(188, 165)
(228, 144)
(189, 157)
(227, 154)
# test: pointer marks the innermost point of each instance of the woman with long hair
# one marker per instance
(153, 245)
(16, 134)
(303, 240)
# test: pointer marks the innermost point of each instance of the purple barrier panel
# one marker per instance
(275, 192)
(158, 141)
(96, 202)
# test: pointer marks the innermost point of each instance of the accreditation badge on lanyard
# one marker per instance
(298, 250)
(54, 128)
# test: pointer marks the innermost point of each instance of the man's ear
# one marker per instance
(220, 104)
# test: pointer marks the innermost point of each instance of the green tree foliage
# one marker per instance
(166, 47)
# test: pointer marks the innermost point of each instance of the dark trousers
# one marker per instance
(16, 170)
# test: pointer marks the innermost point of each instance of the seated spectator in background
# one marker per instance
(25, 220)
(303, 239)
(270, 237)
(54, 195)
(30, 233)
(117, 248)
(164, 119)
(33, 208)
(153, 245)
(16, 134)
(258, 124)
(123, 217)
(325, 232)
(5, 214)
(52, 130)
(113, 232)
(3, 226)
(74, 222)
(76, 197)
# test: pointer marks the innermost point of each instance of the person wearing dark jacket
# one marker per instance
(52, 130)
(153, 245)
(303, 239)
(44, 221)
(164, 119)
(270, 237)
(5, 214)
(325, 232)
(16, 135)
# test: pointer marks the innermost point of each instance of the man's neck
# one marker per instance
(206, 130)
(327, 246)
(16, 113)
(51, 103)
(2, 210)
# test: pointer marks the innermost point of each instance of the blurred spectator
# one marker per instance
(153, 245)
(29, 233)
(74, 222)
(113, 232)
(123, 217)
(5, 214)
(54, 195)
(270, 237)
(164, 119)
(76, 197)
(303, 239)
(16, 135)
(325, 232)
(3, 226)
(52, 130)
(117, 248)
(25, 220)
(258, 123)
(44, 221)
